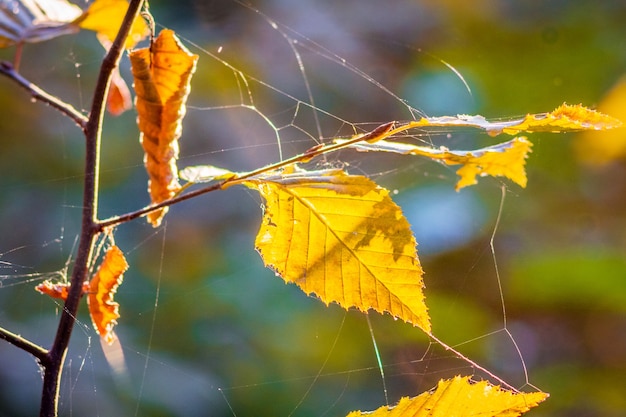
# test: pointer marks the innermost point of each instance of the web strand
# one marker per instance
(303, 113)
(499, 280)
(153, 322)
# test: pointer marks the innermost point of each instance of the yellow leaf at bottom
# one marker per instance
(460, 397)
(342, 238)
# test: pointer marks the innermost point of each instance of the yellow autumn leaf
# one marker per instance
(105, 18)
(162, 77)
(605, 147)
(565, 118)
(342, 238)
(460, 397)
(506, 159)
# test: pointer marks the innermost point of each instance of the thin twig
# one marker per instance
(380, 132)
(110, 222)
(6, 68)
(89, 230)
(24, 344)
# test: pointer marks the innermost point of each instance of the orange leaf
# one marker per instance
(205, 173)
(162, 78)
(118, 100)
(58, 290)
(460, 397)
(103, 310)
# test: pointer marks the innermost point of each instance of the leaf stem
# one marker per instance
(89, 230)
(380, 132)
(6, 68)
(24, 344)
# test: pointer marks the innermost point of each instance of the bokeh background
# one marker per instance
(207, 330)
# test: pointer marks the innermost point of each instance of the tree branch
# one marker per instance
(382, 131)
(24, 344)
(6, 68)
(89, 230)
(104, 224)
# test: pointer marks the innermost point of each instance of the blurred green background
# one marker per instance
(207, 330)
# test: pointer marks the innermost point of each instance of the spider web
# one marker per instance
(204, 328)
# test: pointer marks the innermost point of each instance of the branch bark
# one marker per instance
(24, 344)
(55, 358)
(38, 94)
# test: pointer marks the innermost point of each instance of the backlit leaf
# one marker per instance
(118, 99)
(162, 77)
(105, 18)
(460, 397)
(58, 290)
(564, 118)
(205, 173)
(505, 159)
(103, 310)
(342, 238)
(35, 20)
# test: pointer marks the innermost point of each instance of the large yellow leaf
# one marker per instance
(505, 159)
(105, 18)
(564, 118)
(460, 397)
(162, 76)
(342, 238)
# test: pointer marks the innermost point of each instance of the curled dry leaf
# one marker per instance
(162, 75)
(460, 397)
(58, 290)
(104, 311)
(119, 99)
